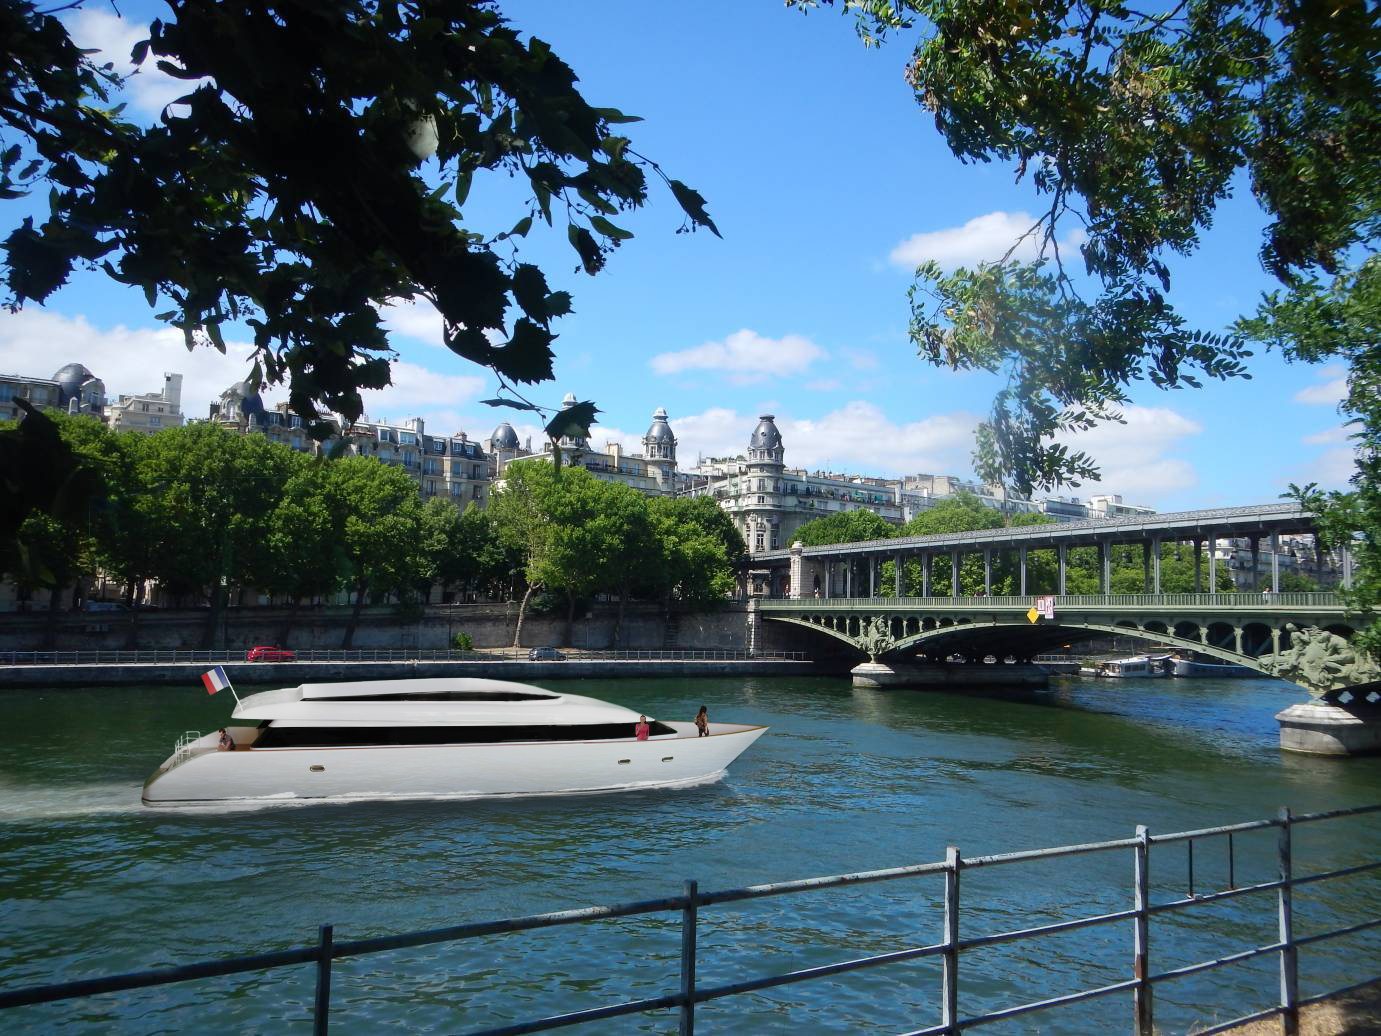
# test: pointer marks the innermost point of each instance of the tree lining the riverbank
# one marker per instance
(213, 517)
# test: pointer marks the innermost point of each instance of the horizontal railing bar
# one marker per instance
(1059, 926)
(160, 977)
(1208, 832)
(1213, 897)
(822, 971)
(1021, 1009)
(808, 884)
(1246, 1019)
(1331, 814)
(594, 1014)
(514, 924)
(1342, 872)
(1341, 991)
(1046, 854)
(1338, 933)
(1218, 962)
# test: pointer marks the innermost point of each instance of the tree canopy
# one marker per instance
(296, 191)
(1135, 124)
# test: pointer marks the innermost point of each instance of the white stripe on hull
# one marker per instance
(450, 771)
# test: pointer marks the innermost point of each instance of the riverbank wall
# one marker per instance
(285, 674)
(728, 627)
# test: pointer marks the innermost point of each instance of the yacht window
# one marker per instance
(343, 737)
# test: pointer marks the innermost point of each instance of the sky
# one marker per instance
(829, 184)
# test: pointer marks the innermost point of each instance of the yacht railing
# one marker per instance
(184, 749)
(684, 994)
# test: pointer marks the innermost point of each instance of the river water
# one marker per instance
(92, 883)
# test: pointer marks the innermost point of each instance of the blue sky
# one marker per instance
(828, 183)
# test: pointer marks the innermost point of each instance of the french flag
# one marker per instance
(216, 680)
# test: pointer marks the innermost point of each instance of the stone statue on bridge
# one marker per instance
(1321, 662)
(877, 638)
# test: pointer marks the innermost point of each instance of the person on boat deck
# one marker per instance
(641, 729)
(227, 742)
(702, 722)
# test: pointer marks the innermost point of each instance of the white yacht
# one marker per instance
(436, 738)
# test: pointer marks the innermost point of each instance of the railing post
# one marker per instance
(1289, 959)
(949, 1000)
(1141, 965)
(321, 1013)
(688, 961)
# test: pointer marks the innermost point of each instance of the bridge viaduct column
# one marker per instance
(829, 583)
(849, 578)
(1105, 552)
(872, 582)
(925, 574)
(1063, 556)
(988, 571)
(1256, 562)
(1275, 562)
(900, 574)
(1021, 563)
(1347, 565)
(954, 572)
(1198, 566)
(1155, 564)
(796, 573)
(1213, 564)
(1146, 568)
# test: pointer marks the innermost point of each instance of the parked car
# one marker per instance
(545, 654)
(268, 654)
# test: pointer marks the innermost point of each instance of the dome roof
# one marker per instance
(70, 380)
(765, 435)
(660, 431)
(504, 437)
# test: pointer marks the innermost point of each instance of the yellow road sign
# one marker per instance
(1033, 615)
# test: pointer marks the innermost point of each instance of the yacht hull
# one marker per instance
(204, 775)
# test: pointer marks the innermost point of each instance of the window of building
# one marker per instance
(760, 499)
(155, 421)
(144, 407)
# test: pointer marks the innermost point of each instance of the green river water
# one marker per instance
(92, 883)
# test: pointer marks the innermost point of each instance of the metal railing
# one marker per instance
(1235, 602)
(170, 656)
(949, 949)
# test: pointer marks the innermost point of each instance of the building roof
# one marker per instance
(659, 431)
(504, 437)
(765, 435)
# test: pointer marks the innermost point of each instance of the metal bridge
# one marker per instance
(1300, 637)
(854, 569)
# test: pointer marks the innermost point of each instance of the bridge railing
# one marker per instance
(1245, 601)
(170, 656)
(685, 994)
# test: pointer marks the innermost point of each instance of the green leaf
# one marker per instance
(693, 205)
(515, 404)
(615, 117)
(609, 230)
(463, 186)
(574, 421)
(521, 228)
(530, 291)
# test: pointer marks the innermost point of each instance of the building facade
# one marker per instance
(150, 412)
(770, 501)
(652, 472)
(72, 389)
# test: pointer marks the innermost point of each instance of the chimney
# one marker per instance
(172, 390)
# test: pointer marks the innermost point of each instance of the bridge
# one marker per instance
(838, 592)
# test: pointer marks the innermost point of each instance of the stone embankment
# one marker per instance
(284, 674)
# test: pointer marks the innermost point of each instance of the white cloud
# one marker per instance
(1328, 437)
(1330, 389)
(37, 342)
(861, 359)
(744, 357)
(147, 88)
(858, 438)
(1142, 459)
(417, 389)
(985, 238)
(417, 319)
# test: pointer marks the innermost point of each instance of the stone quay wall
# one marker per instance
(491, 625)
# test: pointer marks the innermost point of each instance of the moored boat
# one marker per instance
(1142, 666)
(436, 738)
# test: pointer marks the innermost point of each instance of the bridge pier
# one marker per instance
(937, 676)
(1322, 728)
